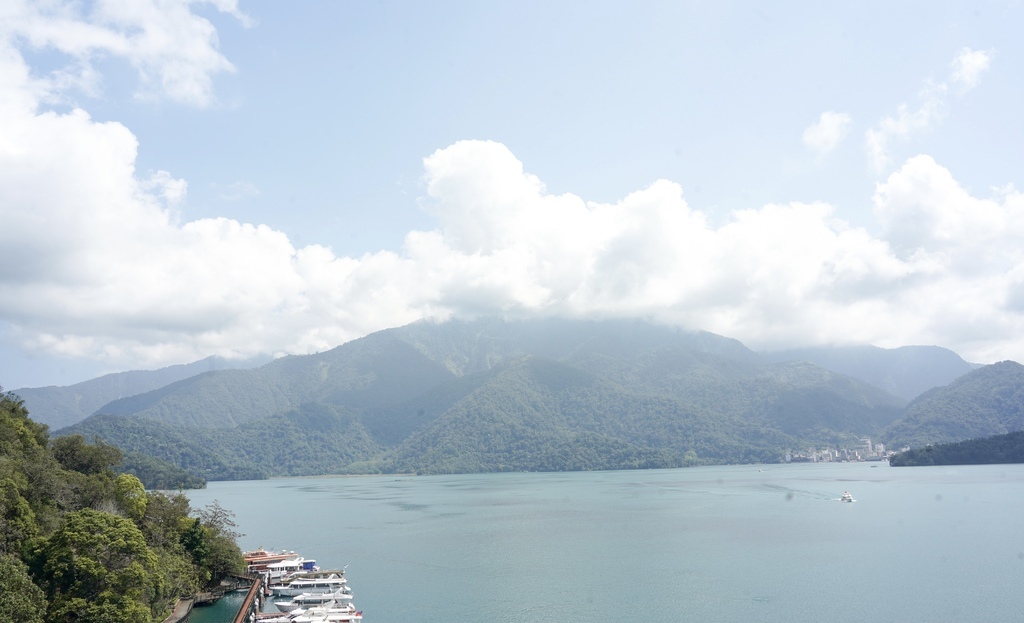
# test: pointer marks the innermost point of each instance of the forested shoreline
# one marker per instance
(82, 543)
(1008, 448)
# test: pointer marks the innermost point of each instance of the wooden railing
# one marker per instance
(253, 599)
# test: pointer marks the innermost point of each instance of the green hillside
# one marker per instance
(81, 542)
(492, 395)
(535, 414)
(988, 401)
(376, 370)
(58, 407)
(1008, 448)
(313, 439)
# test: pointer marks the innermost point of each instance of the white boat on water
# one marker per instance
(846, 497)
(328, 618)
(306, 600)
(289, 567)
(332, 612)
(297, 586)
(328, 613)
(256, 561)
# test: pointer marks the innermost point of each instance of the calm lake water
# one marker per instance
(712, 544)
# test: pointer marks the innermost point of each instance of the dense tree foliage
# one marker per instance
(82, 543)
(74, 454)
(157, 474)
(1008, 448)
(21, 601)
(95, 564)
(220, 554)
(311, 439)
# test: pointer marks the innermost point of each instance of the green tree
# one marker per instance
(85, 565)
(74, 454)
(130, 496)
(90, 478)
(97, 567)
(165, 519)
(29, 484)
(107, 608)
(20, 428)
(179, 541)
(21, 601)
(17, 521)
(222, 555)
(193, 539)
(179, 577)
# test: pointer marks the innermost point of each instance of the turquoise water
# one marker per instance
(223, 611)
(737, 543)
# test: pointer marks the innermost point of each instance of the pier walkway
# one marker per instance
(251, 605)
(253, 599)
(182, 610)
(229, 584)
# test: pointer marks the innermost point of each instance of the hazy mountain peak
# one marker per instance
(906, 371)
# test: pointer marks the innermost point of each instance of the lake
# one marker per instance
(768, 543)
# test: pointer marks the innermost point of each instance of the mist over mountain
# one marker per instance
(907, 371)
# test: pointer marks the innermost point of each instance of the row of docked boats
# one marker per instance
(304, 592)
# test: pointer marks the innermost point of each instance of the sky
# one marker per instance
(184, 179)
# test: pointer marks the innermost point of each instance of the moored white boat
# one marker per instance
(328, 613)
(286, 568)
(300, 585)
(306, 600)
(315, 596)
(256, 561)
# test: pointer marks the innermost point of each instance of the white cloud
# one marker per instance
(905, 124)
(774, 275)
(116, 277)
(95, 261)
(922, 209)
(967, 67)
(824, 135)
(173, 50)
(965, 72)
(237, 191)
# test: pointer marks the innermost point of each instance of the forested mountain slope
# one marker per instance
(988, 401)
(1008, 448)
(494, 395)
(378, 369)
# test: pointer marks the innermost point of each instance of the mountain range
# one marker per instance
(492, 395)
(62, 406)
